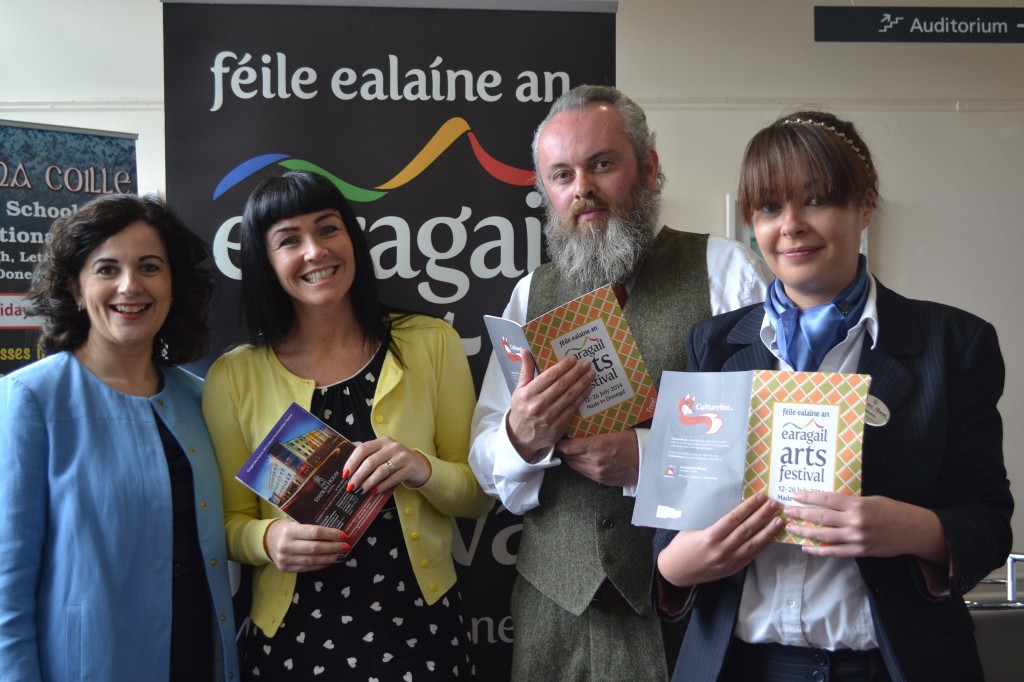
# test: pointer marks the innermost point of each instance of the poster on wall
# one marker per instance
(424, 117)
(46, 172)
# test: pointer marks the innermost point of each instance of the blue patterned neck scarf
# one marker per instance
(805, 336)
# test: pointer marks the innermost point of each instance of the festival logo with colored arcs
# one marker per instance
(451, 131)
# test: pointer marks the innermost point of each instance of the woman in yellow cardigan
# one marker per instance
(319, 337)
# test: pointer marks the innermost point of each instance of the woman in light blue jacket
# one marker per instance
(112, 557)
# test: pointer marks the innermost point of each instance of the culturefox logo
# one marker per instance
(514, 353)
(712, 421)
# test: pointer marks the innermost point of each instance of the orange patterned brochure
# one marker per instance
(592, 328)
(718, 438)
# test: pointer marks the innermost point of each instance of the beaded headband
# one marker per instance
(838, 133)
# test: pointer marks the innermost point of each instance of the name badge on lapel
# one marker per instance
(876, 413)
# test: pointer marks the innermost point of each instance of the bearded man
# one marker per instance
(581, 602)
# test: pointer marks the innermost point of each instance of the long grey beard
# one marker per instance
(595, 257)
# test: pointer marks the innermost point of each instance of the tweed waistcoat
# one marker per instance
(581, 532)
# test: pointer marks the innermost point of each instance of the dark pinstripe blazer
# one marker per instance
(940, 372)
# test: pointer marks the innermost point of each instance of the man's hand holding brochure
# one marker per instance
(593, 329)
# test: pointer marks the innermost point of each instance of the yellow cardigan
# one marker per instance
(246, 391)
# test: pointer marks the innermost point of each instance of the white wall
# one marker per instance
(96, 64)
(945, 123)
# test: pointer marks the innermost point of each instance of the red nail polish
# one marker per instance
(349, 488)
(345, 473)
(342, 536)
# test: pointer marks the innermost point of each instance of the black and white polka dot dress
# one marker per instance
(365, 618)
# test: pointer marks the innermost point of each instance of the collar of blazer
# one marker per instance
(900, 337)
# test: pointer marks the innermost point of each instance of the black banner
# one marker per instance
(425, 118)
(919, 24)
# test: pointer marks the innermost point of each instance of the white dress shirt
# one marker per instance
(736, 277)
(799, 599)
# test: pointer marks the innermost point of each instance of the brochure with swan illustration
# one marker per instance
(720, 437)
(592, 328)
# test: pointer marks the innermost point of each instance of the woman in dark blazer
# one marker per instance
(882, 597)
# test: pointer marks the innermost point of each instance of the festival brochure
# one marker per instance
(720, 437)
(591, 327)
(299, 469)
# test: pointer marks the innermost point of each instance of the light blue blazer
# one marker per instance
(86, 525)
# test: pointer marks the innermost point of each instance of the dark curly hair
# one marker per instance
(829, 150)
(267, 308)
(183, 336)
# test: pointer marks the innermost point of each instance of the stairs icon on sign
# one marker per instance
(888, 22)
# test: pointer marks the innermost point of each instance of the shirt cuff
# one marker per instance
(510, 465)
(670, 601)
(642, 436)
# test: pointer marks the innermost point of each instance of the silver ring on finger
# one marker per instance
(391, 467)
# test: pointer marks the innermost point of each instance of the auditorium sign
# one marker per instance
(919, 24)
